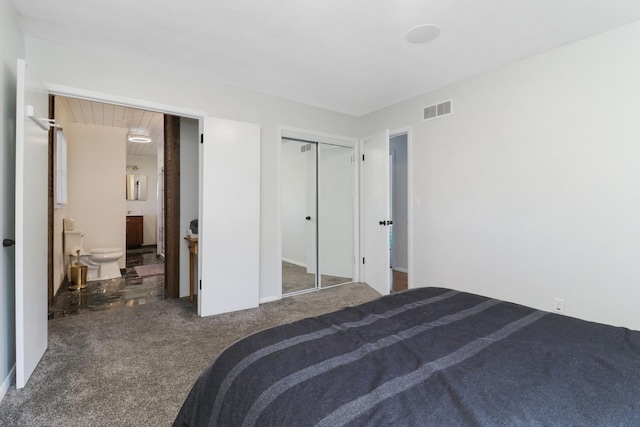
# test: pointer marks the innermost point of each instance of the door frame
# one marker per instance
(69, 91)
(399, 131)
(321, 137)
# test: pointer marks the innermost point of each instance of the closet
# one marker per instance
(317, 214)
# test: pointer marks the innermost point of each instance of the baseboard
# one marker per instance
(290, 261)
(401, 270)
(270, 299)
(4, 388)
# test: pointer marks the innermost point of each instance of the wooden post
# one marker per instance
(172, 205)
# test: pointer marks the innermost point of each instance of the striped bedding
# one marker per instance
(428, 356)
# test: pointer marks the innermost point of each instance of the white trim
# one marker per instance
(56, 89)
(200, 199)
(270, 299)
(325, 138)
(4, 388)
(298, 263)
(278, 294)
(356, 213)
(360, 245)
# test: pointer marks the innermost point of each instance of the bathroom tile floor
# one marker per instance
(128, 290)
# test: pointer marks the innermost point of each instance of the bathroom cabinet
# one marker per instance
(134, 231)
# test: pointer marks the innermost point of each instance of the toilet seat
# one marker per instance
(99, 251)
(105, 254)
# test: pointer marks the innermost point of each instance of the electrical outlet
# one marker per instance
(558, 305)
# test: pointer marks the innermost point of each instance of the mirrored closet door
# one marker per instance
(317, 215)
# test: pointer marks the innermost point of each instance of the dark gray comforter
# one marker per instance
(429, 356)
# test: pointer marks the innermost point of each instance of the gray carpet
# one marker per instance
(135, 365)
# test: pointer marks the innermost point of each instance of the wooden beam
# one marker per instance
(172, 205)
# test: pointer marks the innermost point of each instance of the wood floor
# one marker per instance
(400, 281)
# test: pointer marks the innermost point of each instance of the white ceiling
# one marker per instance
(140, 122)
(348, 56)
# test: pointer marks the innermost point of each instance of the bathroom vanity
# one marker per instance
(134, 231)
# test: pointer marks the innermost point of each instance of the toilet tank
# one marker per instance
(68, 224)
(73, 240)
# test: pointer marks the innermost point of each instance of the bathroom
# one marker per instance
(98, 160)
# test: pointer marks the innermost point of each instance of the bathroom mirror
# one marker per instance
(136, 187)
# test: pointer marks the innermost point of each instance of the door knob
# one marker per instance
(383, 222)
(308, 218)
(8, 242)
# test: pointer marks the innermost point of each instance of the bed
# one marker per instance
(429, 356)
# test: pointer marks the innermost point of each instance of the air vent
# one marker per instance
(438, 110)
(305, 148)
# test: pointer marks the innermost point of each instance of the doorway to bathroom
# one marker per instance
(101, 158)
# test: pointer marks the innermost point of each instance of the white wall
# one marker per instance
(530, 190)
(189, 164)
(12, 47)
(96, 190)
(147, 165)
(180, 86)
(400, 256)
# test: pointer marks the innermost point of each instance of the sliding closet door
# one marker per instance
(299, 216)
(335, 214)
(317, 214)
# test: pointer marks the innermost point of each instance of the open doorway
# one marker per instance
(399, 203)
(134, 216)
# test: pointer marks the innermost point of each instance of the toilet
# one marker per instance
(102, 263)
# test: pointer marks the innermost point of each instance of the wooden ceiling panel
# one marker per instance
(137, 121)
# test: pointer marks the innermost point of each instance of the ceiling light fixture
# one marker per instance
(140, 139)
(422, 34)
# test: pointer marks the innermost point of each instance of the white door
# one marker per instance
(31, 223)
(376, 212)
(229, 221)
